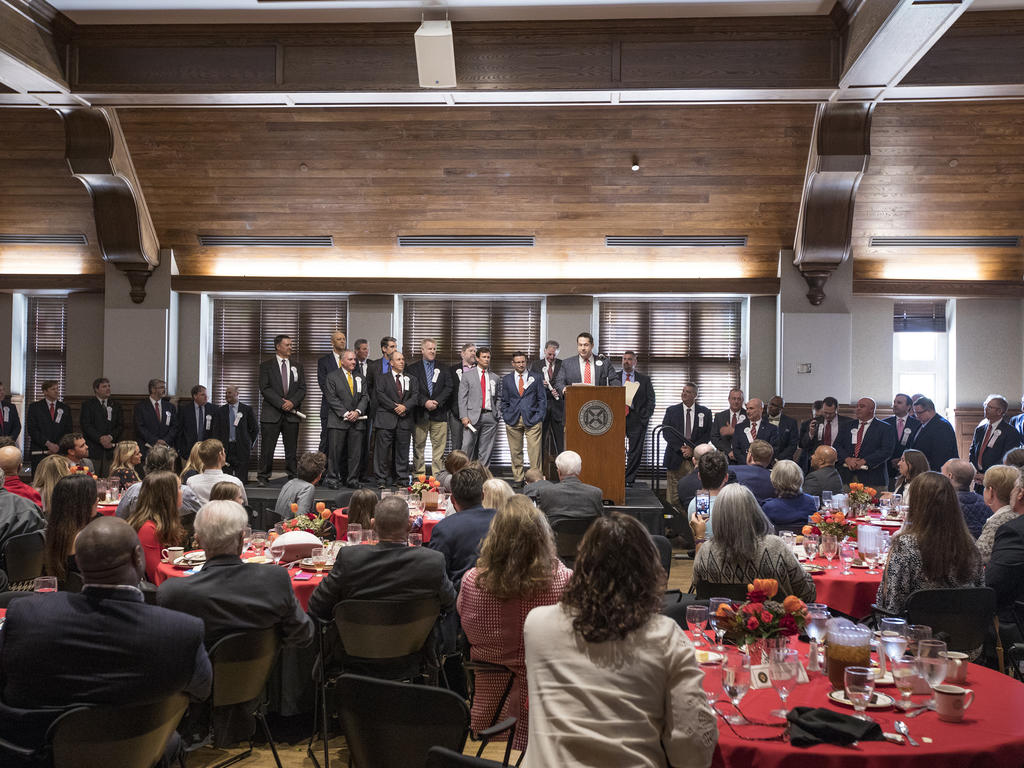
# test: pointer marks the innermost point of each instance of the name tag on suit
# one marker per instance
(995, 436)
(359, 384)
(527, 383)
(295, 373)
(853, 435)
(437, 373)
(238, 419)
(167, 418)
(7, 413)
(906, 436)
(110, 413)
(209, 422)
(58, 416)
(700, 420)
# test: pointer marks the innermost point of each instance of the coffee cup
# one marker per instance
(951, 701)
(956, 667)
(170, 554)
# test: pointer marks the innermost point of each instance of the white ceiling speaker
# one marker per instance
(435, 54)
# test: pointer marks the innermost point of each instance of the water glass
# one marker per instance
(817, 502)
(885, 505)
(859, 683)
(829, 548)
(259, 542)
(931, 663)
(355, 533)
(45, 584)
(826, 499)
(811, 542)
(916, 633)
(246, 537)
(370, 537)
(736, 683)
(713, 605)
(904, 673)
(711, 666)
(783, 671)
(893, 638)
(847, 553)
(696, 618)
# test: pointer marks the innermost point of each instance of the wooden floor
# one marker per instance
(294, 755)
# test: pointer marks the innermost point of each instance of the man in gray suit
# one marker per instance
(479, 406)
(570, 498)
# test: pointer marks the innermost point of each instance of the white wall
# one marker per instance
(371, 317)
(761, 358)
(872, 349)
(84, 342)
(568, 316)
(988, 350)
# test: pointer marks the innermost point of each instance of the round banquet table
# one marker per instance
(853, 594)
(340, 521)
(991, 733)
(106, 509)
(303, 588)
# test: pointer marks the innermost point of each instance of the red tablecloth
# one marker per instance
(853, 594)
(107, 509)
(340, 521)
(991, 734)
(303, 589)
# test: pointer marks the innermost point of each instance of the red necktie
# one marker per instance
(551, 371)
(753, 431)
(398, 386)
(53, 414)
(733, 424)
(156, 407)
(483, 389)
(586, 373)
(860, 436)
(827, 437)
(520, 385)
(284, 376)
(984, 444)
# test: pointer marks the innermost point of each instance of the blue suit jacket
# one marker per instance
(1007, 439)
(765, 431)
(937, 441)
(876, 449)
(531, 407)
(757, 479)
(458, 538)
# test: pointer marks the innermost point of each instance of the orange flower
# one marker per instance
(793, 604)
(816, 518)
(421, 478)
(807, 530)
(432, 479)
(856, 487)
(295, 507)
(320, 506)
(838, 517)
(871, 492)
(768, 586)
(325, 513)
(725, 610)
(272, 535)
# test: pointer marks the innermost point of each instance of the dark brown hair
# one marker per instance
(916, 461)
(225, 490)
(617, 582)
(361, 507)
(934, 519)
(71, 509)
(158, 501)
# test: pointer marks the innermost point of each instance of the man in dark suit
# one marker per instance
(584, 368)
(396, 395)
(156, 419)
(104, 646)
(638, 415)
(102, 423)
(283, 386)
(754, 474)
(324, 365)
(553, 433)
(993, 437)
(753, 427)
(687, 425)
(10, 422)
(936, 438)
(198, 420)
(826, 427)
(362, 349)
(374, 369)
(789, 430)
(431, 418)
(905, 425)
(724, 424)
(236, 429)
(570, 498)
(456, 372)
(803, 450)
(864, 449)
(523, 404)
(49, 419)
(458, 536)
(347, 403)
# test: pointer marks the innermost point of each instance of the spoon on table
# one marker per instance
(902, 728)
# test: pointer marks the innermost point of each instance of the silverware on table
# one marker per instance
(921, 711)
(902, 728)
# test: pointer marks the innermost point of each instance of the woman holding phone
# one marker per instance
(713, 471)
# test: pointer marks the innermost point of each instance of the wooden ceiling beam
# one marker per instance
(31, 35)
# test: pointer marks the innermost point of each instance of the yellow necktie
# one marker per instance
(339, 362)
(349, 377)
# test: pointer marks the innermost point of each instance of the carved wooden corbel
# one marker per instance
(840, 148)
(98, 156)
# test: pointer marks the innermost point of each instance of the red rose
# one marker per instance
(752, 624)
(766, 617)
(311, 515)
(757, 596)
(787, 625)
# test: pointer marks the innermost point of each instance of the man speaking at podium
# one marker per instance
(585, 368)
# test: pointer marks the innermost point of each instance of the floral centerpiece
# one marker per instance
(81, 469)
(318, 522)
(830, 524)
(426, 490)
(861, 497)
(762, 623)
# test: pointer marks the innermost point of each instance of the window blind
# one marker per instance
(919, 317)
(676, 341)
(46, 356)
(244, 331)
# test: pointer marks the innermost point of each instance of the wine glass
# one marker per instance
(826, 499)
(319, 558)
(696, 618)
(811, 542)
(931, 663)
(917, 633)
(894, 638)
(847, 554)
(885, 505)
(246, 537)
(829, 548)
(869, 551)
(44, 584)
(783, 669)
(713, 605)
(859, 683)
(904, 674)
(355, 533)
(259, 542)
(736, 683)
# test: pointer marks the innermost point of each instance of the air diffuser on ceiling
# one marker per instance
(76, 239)
(954, 241)
(676, 241)
(266, 241)
(466, 241)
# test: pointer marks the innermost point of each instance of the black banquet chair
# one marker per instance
(24, 556)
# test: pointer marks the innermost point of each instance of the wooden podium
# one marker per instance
(595, 427)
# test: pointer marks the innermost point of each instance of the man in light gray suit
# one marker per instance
(479, 406)
(570, 498)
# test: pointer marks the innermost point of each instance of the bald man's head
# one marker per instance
(823, 456)
(108, 552)
(10, 459)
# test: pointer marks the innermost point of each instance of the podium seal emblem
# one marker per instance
(595, 417)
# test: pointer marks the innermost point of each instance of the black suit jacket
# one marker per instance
(789, 437)
(246, 431)
(41, 428)
(385, 571)
(1005, 571)
(231, 596)
(387, 398)
(1004, 438)
(340, 401)
(458, 538)
(639, 415)
(12, 421)
(675, 427)
(937, 441)
(272, 389)
(148, 431)
(876, 449)
(102, 646)
(910, 427)
(95, 424)
(455, 375)
(442, 389)
(809, 442)
(555, 406)
(601, 373)
(722, 419)
(188, 435)
(741, 443)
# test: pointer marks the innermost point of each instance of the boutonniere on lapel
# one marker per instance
(529, 381)
(405, 383)
(700, 420)
(295, 373)
(599, 363)
(359, 383)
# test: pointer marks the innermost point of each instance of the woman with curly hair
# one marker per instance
(518, 570)
(612, 681)
(72, 507)
(156, 518)
(126, 458)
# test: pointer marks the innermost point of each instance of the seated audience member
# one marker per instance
(612, 681)
(496, 493)
(974, 508)
(105, 646)
(213, 457)
(1014, 458)
(50, 470)
(156, 518)
(1000, 484)
(193, 467)
(360, 508)
(713, 472)
(823, 475)
(127, 456)
(301, 489)
(73, 506)
(911, 464)
(73, 448)
(570, 498)
(535, 481)
(160, 458)
(226, 491)
(10, 463)
(458, 536)
(791, 504)
(453, 462)
(688, 486)
(755, 474)
(744, 548)
(933, 550)
(1005, 569)
(18, 515)
(518, 570)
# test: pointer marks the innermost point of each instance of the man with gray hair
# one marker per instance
(962, 474)
(570, 498)
(993, 437)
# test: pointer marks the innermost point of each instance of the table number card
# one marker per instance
(759, 676)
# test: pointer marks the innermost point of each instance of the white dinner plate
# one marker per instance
(708, 657)
(878, 700)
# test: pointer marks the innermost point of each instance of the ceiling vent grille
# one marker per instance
(966, 241)
(266, 241)
(676, 241)
(466, 241)
(78, 239)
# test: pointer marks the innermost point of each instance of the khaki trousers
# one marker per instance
(438, 432)
(515, 436)
(672, 478)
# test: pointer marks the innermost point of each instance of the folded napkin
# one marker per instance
(813, 725)
(295, 545)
